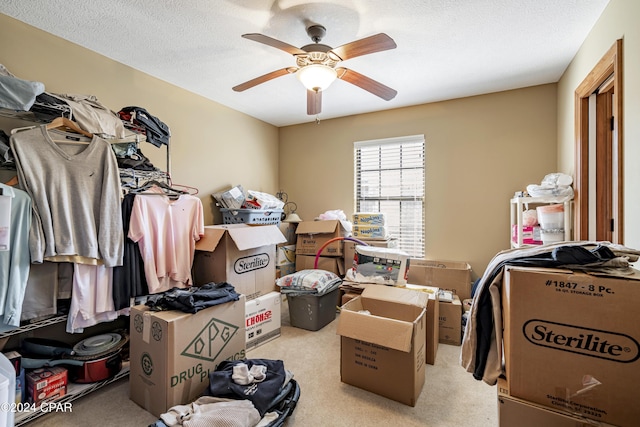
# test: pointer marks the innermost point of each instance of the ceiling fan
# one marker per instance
(316, 65)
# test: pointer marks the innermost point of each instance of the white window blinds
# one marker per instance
(389, 178)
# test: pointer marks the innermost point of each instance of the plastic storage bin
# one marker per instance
(313, 312)
(551, 217)
(251, 216)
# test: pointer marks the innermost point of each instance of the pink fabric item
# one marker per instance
(166, 231)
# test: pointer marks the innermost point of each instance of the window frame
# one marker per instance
(415, 247)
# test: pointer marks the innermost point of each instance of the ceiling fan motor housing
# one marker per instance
(316, 32)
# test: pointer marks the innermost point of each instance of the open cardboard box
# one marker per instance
(384, 351)
(239, 254)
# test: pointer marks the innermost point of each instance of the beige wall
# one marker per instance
(618, 21)
(480, 150)
(212, 146)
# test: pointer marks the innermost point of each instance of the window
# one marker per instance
(389, 178)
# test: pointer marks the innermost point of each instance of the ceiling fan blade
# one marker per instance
(264, 78)
(366, 83)
(371, 44)
(314, 102)
(269, 41)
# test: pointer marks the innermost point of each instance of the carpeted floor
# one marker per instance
(450, 397)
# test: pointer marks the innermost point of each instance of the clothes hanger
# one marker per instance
(63, 122)
(173, 193)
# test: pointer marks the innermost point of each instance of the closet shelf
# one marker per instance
(28, 116)
(32, 326)
(74, 391)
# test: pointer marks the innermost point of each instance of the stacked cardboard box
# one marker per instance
(312, 236)
(450, 321)
(571, 344)
(454, 276)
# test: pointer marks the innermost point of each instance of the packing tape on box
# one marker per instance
(146, 327)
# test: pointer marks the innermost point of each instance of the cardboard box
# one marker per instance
(46, 384)
(239, 254)
(332, 264)
(571, 342)
(263, 319)
(517, 412)
(451, 321)
(453, 276)
(288, 229)
(384, 352)
(311, 235)
(349, 248)
(346, 297)
(433, 320)
(285, 269)
(285, 254)
(172, 352)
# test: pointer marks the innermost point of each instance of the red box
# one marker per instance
(46, 384)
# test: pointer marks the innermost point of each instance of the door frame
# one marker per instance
(609, 64)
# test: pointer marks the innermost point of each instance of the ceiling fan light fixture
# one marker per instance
(316, 77)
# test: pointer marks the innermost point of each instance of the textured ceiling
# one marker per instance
(445, 48)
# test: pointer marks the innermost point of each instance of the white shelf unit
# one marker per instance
(520, 204)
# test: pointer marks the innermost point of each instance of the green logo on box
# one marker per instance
(211, 340)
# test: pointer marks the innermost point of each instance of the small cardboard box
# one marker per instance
(451, 321)
(46, 384)
(285, 254)
(263, 319)
(517, 412)
(571, 342)
(332, 264)
(285, 269)
(452, 276)
(311, 235)
(384, 351)
(239, 254)
(172, 352)
(433, 320)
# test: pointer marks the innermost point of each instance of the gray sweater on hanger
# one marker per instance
(75, 189)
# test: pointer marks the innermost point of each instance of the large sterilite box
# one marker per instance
(239, 254)
(571, 342)
(521, 413)
(313, 312)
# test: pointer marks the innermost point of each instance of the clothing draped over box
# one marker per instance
(481, 352)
